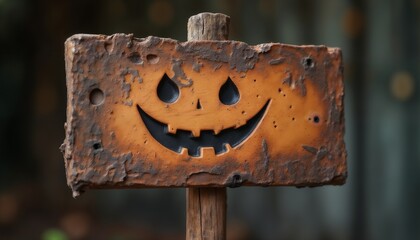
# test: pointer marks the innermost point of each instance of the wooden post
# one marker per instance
(206, 207)
(298, 107)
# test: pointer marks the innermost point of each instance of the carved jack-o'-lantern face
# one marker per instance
(193, 136)
(191, 105)
(202, 113)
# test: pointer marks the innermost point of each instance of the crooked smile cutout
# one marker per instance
(185, 139)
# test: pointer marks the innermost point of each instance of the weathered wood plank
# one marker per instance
(206, 214)
(208, 26)
(289, 114)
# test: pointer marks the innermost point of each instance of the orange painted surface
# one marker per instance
(298, 140)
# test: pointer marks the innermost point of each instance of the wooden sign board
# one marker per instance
(155, 112)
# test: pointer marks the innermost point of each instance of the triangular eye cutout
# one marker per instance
(229, 93)
(167, 90)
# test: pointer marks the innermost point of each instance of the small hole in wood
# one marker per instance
(108, 47)
(237, 178)
(152, 58)
(316, 119)
(135, 57)
(97, 146)
(236, 181)
(96, 97)
(308, 63)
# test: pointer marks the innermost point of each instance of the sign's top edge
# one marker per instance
(87, 37)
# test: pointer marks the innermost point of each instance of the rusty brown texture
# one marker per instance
(298, 141)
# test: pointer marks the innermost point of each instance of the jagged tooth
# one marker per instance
(217, 131)
(207, 151)
(171, 129)
(228, 147)
(240, 123)
(196, 132)
(184, 152)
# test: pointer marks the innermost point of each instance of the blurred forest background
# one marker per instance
(380, 42)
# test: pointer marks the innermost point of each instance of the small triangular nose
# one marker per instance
(198, 104)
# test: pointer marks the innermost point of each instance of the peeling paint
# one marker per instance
(179, 76)
(277, 61)
(98, 155)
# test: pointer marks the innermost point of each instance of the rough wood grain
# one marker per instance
(206, 207)
(206, 214)
(208, 26)
(121, 134)
(112, 84)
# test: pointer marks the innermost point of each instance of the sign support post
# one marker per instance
(206, 207)
(205, 114)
